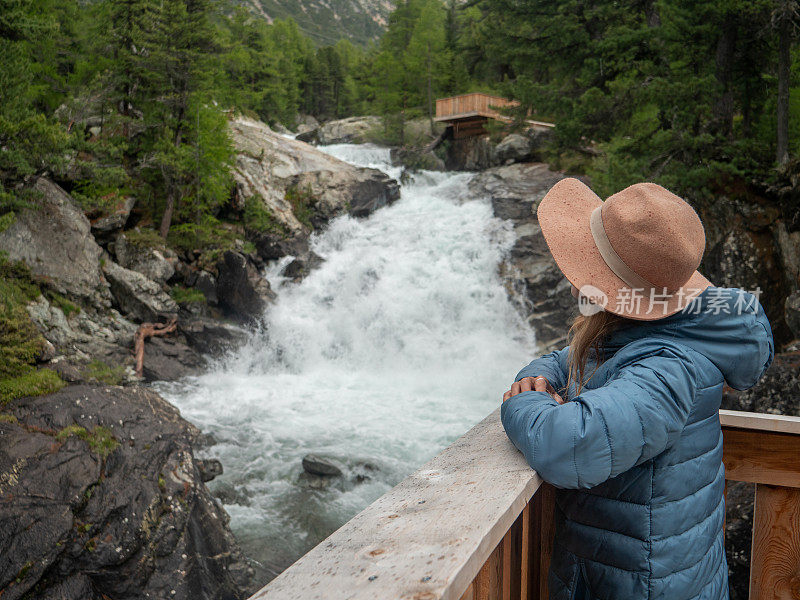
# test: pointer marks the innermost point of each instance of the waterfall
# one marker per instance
(400, 341)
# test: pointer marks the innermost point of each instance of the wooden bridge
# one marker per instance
(468, 114)
(476, 523)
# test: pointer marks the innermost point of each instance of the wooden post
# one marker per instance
(775, 554)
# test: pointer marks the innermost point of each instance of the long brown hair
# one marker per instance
(586, 335)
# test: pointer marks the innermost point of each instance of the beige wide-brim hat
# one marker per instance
(635, 255)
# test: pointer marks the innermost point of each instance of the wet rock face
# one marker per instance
(54, 239)
(100, 496)
(241, 290)
(532, 277)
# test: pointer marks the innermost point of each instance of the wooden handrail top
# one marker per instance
(426, 538)
(429, 537)
(761, 421)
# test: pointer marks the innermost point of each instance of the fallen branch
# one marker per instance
(145, 331)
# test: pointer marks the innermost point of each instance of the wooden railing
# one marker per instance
(471, 105)
(477, 523)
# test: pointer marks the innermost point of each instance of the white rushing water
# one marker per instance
(398, 343)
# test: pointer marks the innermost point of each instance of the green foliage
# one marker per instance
(302, 202)
(184, 295)
(144, 237)
(8, 418)
(67, 307)
(100, 439)
(33, 383)
(257, 217)
(104, 373)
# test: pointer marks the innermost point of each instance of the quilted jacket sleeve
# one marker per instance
(552, 366)
(607, 430)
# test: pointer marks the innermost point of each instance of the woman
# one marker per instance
(624, 421)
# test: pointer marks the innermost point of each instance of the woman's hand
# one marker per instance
(535, 384)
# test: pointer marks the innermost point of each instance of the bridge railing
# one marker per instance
(477, 523)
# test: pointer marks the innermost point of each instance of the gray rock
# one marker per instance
(115, 220)
(243, 293)
(353, 130)
(79, 525)
(211, 336)
(359, 192)
(513, 148)
(306, 123)
(316, 464)
(170, 358)
(206, 283)
(137, 296)
(793, 313)
(209, 468)
(54, 239)
(300, 267)
(154, 263)
(531, 276)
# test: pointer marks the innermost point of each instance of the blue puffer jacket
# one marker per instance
(637, 456)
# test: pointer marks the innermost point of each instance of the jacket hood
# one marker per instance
(726, 325)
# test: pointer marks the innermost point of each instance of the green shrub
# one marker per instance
(104, 373)
(302, 202)
(100, 439)
(144, 238)
(61, 302)
(184, 295)
(36, 382)
(257, 217)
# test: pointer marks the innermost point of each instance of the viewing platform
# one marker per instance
(468, 114)
(476, 523)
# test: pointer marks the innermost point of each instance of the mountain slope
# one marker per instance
(327, 21)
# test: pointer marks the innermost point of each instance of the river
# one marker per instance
(398, 343)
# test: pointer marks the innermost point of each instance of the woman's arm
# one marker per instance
(551, 366)
(605, 431)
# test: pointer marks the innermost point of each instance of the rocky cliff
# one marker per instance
(100, 493)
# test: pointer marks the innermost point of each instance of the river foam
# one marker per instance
(399, 342)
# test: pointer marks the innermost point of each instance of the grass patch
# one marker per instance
(104, 373)
(6, 220)
(20, 341)
(8, 418)
(100, 439)
(184, 295)
(302, 202)
(61, 302)
(144, 237)
(257, 217)
(36, 382)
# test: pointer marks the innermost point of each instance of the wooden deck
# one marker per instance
(476, 523)
(468, 114)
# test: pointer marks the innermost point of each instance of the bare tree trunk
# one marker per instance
(784, 64)
(145, 331)
(166, 218)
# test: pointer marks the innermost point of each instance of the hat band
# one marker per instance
(610, 256)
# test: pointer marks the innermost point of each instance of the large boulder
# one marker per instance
(793, 313)
(271, 169)
(242, 292)
(114, 218)
(54, 239)
(532, 277)
(333, 193)
(154, 263)
(512, 148)
(103, 499)
(137, 296)
(353, 130)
